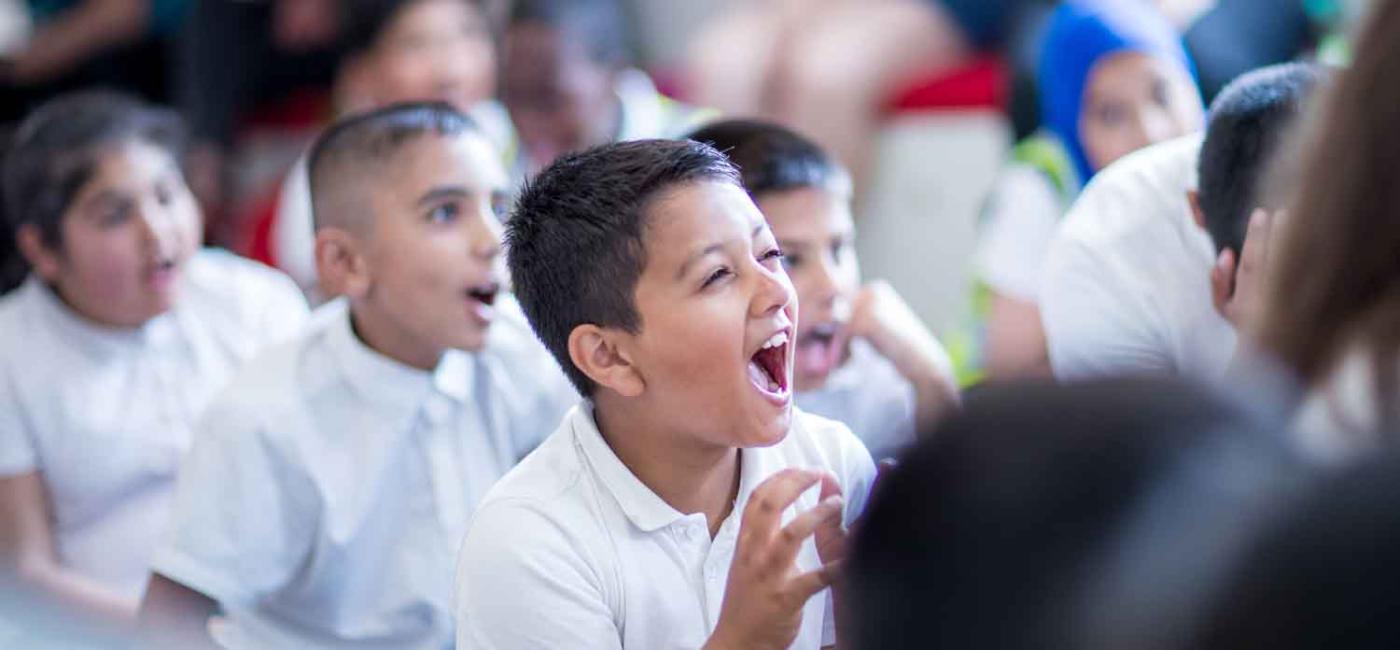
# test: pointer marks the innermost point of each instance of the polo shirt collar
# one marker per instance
(643, 507)
(387, 381)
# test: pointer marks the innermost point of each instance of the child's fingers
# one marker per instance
(811, 583)
(790, 538)
(769, 500)
(1222, 280)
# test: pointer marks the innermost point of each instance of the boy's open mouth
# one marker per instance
(767, 368)
(817, 351)
(484, 294)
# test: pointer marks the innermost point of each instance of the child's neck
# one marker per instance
(690, 476)
(383, 336)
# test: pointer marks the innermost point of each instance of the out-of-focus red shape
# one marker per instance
(981, 83)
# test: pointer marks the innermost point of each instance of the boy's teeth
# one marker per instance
(777, 340)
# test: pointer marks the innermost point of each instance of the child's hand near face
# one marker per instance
(1236, 288)
(765, 595)
(880, 316)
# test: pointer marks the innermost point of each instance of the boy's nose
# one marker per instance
(825, 288)
(774, 292)
(158, 227)
(485, 235)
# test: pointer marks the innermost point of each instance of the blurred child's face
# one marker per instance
(717, 313)
(559, 98)
(814, 227)
(1133, 100)
(431, 254)
(432, 50)
(126, 236)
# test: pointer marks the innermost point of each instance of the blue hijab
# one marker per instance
(1080, 33)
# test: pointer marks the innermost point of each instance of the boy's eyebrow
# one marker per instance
(443, 192)
(712, 248)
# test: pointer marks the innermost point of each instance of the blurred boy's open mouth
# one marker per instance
(767, 367)
(816, 350)
(481, 299)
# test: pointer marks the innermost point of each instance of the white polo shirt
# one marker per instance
(1127, 279)
(104, 415)
(324, 499)
(571, 550)
(868, 394)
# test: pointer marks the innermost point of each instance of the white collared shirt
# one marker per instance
(325, 496)
(572, 550)
(868, 395)
(1127, 279)
(104, 415)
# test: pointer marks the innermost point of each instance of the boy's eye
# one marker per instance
(1111, 114)
(772, 255)
(792, 260)
(163, 194)
(113, 217)
(444, 213)
(501, 206)
(718, 274)
(1159, 93)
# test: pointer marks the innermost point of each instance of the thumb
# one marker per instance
(1222, 281)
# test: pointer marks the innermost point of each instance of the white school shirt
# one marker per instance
(572, 550)
(1018, 225)
(104, 415)
(1127, 280)
(325, 496)
(868, 394)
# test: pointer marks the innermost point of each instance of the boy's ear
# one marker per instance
(596, 352)
(1194, 199)
(340, 265)
(41, 258)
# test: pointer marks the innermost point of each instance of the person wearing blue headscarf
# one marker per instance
(1114, 77)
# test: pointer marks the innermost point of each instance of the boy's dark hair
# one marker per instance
(575, 240)
(1095, 515)
(1247, 122)
(599, 25)
(55, 151)
(342, 154)
(771, 158)
(362, 22)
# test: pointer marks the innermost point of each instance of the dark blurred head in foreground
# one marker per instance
(1101, 515)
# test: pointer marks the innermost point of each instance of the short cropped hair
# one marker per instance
(55, 151)
(1246, 124)
(599, 25)
(772, 158)
(364, 21)
(575, 240)
(342, 157)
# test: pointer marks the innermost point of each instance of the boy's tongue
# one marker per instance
(815, 356)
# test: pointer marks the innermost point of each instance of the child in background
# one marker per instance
(111, 348)
(1113, 78)
(396, 51)
(566, 81)
(324, 502)
(678, 505)
(862, 356)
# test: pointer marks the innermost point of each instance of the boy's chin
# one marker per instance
(771, 429)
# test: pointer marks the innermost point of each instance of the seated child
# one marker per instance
(685, 502)
(109, 350)
(861, 356)
(395, 51)
(566, 80)
(1141, 278)
(324, 502)
(1113, 78)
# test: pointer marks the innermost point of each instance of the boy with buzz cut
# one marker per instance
(322, 504)
(684, 503)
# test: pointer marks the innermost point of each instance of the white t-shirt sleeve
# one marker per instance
(239, 526)
(523, 584)
(17, 450)
(856, 471)
(1017, 227)
(1095, 324)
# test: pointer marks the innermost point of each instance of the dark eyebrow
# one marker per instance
(712, 248)
(443, 192)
